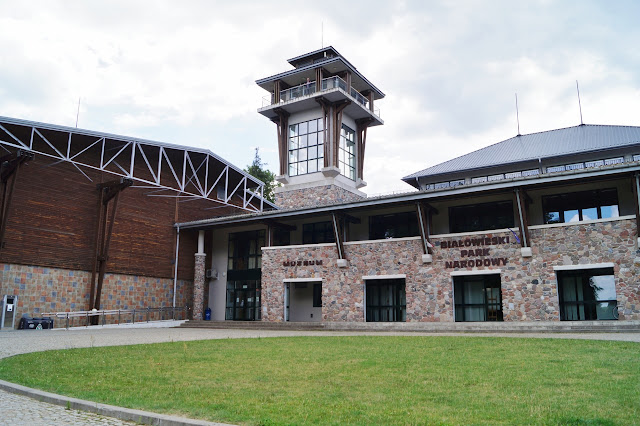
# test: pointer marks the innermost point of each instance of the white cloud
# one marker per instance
(184, 72)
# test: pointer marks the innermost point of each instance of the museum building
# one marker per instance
(538, 227)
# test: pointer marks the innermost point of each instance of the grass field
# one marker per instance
(359, 379)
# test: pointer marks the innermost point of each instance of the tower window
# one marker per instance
(306, 147)
(347, 153)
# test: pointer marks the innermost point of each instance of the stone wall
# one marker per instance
(42, 290)
(529, 289)
(316, 196)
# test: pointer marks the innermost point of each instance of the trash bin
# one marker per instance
(207, 314)
(27, 323)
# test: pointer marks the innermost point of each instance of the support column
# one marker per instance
(198, 279)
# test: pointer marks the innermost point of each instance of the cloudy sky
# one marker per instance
(184, 71)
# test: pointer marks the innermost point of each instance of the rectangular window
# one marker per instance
(579, 206)
(386, 300)
(317, 233)
(587, 294)
(347, 153)
(396, 225)
(481, 217)
(306, 147)
(477, 298)
(317, 295)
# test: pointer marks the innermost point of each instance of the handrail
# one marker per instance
(298, 91)
(329, 83)
(119, 312)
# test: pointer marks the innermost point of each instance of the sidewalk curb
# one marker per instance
(127, 414)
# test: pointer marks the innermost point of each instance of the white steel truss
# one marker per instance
(189, 173)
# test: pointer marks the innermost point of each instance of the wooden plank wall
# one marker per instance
(53, 216)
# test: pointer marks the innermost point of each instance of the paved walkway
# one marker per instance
(29, 411)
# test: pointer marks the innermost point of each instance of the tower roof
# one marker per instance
(331, 60)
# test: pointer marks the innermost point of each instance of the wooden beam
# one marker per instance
(522, 217)
(361, 128)
(337, 233)
(424, 222)
(104, 230)
(282, 127)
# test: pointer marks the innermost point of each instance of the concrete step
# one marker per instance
(451, 327)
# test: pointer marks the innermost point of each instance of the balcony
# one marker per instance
(327, 84)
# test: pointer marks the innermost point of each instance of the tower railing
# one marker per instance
(304, 89)
(309, 88)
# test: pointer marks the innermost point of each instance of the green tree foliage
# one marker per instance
(258, 170)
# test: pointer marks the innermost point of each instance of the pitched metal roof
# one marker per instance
(553, 143)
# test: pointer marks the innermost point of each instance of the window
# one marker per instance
(386, 300)
(579, 206)
(477, 298)
(244, 276)
(587, 294)
(317, 295)
(281, 237)
(395, 225)
(481, 217)
(347, 153)
(306, 147)
(317, 233)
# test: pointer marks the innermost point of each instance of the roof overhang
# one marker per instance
(413, 197)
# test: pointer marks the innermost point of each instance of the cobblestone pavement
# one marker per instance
(24, 410)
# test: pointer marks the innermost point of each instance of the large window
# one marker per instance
(579, 206)
(317, 233)
(481, 217)
(347, 152)
(395, 225)
(386, 300)
(244, 276)
(306, 147)
(477, 298)
(587, 294)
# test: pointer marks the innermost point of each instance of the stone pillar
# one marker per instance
(198, 279)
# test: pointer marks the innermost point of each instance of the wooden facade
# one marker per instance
(53, 214)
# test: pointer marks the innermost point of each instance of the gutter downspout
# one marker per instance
(175, 271)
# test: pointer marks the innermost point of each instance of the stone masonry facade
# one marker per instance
(41, 290)
(529, 287)
(313, 197)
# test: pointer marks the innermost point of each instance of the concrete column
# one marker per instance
(198, 279)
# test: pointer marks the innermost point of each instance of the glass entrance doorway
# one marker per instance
(243, 301)
(477, 298)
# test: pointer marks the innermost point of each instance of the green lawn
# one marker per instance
(359, 379)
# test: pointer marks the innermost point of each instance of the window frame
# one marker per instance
(560, 204)
(318, 236)
(488, 212)
(296, 148)
(588, 305)
(393, 224)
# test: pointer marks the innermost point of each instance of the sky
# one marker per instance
(184, 72)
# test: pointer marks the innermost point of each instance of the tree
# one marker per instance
(258, 170)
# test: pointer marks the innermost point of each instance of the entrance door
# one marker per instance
(478, 298)
(243, 301)
(303, 301)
